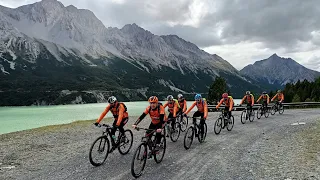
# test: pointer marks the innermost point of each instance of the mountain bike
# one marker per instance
(141, 154)
(183, 120)
(246, 114)
(223, 122)
(193, 131)
(101, 147)
(277, 107)
(263, 110)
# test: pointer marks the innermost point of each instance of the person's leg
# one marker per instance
(202, 121)
(226, 111)
(196, 114)
(114, 128)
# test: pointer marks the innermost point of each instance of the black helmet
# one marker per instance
(170, 98)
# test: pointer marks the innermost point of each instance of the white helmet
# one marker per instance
(180, 96)
(112, 99)
(170, 98)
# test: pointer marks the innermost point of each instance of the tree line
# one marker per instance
(304, 91)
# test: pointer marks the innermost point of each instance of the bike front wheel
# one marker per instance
(175, 133)
(218, 126)
(188, 137)
(243, 117)
(139, 160)
(273, 110)
(259, 113)
(230, 123)
(204, 133)
(158, 156)
(281, 109)
(99, 151)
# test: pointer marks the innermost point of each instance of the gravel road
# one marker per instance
(269, 148)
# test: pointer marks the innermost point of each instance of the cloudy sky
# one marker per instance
(239, 31)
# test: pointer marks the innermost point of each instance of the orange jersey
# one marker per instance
(264, 98)
(249, 98)
(118, 111)
(280, 97)
(183, 105)
(202, 107)
(172, 107)
(155, 113)
(228, 103)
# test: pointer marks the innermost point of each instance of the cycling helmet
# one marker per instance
(197, 97)
(153, 99)
(264, 92)
(279, 91)
(180, 96)
(170, 98)
(112, 99)
(225, 95)
(248, 93)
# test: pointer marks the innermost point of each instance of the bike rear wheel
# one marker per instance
(188, 137)
(230, 123)
(125, 142)
(139, 160)
(174, 135)
(218, 126)
(158, 156)
(201, 139)
(243, 117)
(281, 109)
(100, 146)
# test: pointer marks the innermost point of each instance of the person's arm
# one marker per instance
(143, 115)
(161, 115)
(221, 101)
(268, 99)
(175, 109)
(184, 106)
(244, 98)
(120, 116)
(103, 114)
(192, 106)
(231, 104)
(282, 97)
(205, 110)
(274, 97)
(259, 98)
(252, 102)
(165, 105)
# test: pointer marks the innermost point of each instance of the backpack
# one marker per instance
(125, 107)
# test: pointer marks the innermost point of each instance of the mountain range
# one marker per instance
(52, 54)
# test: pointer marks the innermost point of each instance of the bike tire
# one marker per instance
(184, 124)
(143, 160)
(189, 135)
(243, 117)
(105, 148)
(259, 113)
(230, 125)
(204, 133)
(281, 109)
(177, 132)
(273, 110)
(163, 145)
(266, 113)
(218, 126)
(128, 133)
(252, 116)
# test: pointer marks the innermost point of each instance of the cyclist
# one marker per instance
(119, 112)
(250, 100)
(173, 107)
(280, 98)
(228, 102)
(157, 115)
(265, 99)
(183, 105)
(202, 112)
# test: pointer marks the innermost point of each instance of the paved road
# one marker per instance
(263, 149)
